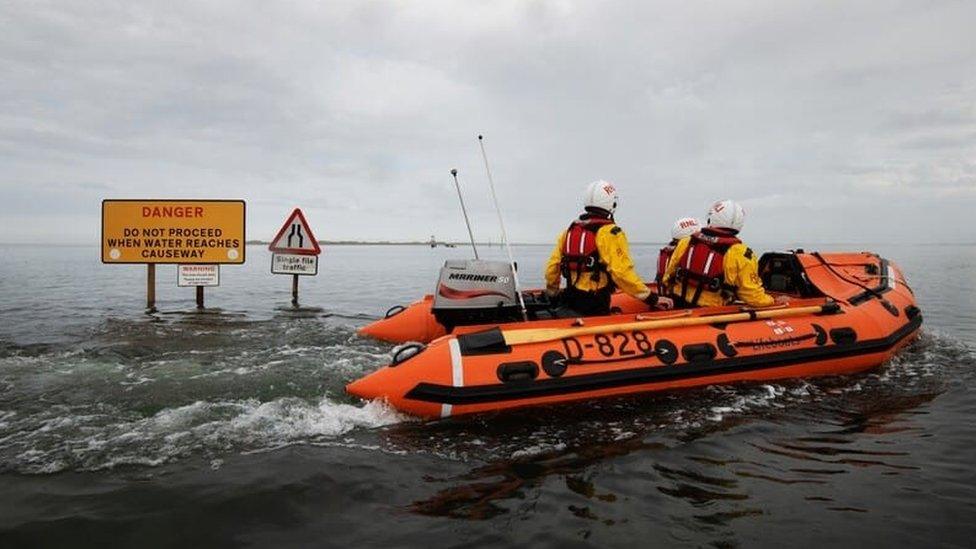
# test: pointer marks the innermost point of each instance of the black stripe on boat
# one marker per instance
(429, 392)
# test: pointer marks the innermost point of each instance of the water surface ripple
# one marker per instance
(230, 427)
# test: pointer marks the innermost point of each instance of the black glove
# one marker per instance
(659, 302)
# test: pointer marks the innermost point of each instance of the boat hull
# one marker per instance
(476, 370)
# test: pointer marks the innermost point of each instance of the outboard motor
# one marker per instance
(783, 272)
(473, 291)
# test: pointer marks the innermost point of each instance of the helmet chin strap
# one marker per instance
(727, 230)
(595, 210)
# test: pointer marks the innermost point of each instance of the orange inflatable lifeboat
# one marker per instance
(848, 312)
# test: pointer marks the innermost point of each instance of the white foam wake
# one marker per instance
(93, 439)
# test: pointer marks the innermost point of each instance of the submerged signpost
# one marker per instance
(295, 251)
(199, 276)
(181, 232)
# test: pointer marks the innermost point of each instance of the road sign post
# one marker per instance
(295, 251)
(199, 277)
(151, 288)
(294, 290)
(194, 232)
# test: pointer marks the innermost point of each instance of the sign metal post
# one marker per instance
(151, 288)
(199, 277)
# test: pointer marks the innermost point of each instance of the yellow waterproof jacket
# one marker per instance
(741, 268)
(611, 243)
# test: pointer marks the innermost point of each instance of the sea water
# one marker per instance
(229, 426)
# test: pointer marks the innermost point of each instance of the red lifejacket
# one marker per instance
(702, 266)
(663, 257)
(580, 254)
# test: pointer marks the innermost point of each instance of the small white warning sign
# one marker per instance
(295, 237)
(294, 264)
(197, 275)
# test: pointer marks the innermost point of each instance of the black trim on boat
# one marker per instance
(843, 336)
(829, 308)
(726, 346)
(699, 353)
(882, 287)
(821, 334)
(524, 370)
(430, 392)
(485, 342)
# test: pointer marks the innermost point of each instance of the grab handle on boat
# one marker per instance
(406, 352)
(518, 371)
(394, 310)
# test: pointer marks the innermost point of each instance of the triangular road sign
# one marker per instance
(295, 237)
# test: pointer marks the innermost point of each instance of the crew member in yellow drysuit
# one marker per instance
(594, 258)
(713, 267)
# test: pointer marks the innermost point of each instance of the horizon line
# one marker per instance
(492, 244)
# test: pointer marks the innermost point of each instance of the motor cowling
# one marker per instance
(473, 289)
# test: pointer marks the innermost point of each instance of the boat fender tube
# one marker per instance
(843, 336)
(912, 311)
(554, 363)
(666, 351)
(698, 352)
(725, 346)
(821, 334)
(406, 352)
(518, 371)
(394, 310)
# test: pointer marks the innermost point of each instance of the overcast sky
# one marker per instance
(830, 121)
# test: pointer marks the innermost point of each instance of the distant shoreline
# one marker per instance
(400, 243)
(811, 244)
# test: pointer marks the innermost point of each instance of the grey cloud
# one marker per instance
(810, 113)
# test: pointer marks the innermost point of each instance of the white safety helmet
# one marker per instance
(727, 214)
(685, 226)
(600, 194)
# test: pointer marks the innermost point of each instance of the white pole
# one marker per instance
(501, 222)
(465, 212)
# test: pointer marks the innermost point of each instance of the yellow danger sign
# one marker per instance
(173, 231)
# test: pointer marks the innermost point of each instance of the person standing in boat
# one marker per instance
(683, 227)
(593, 256)
(713, 267)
